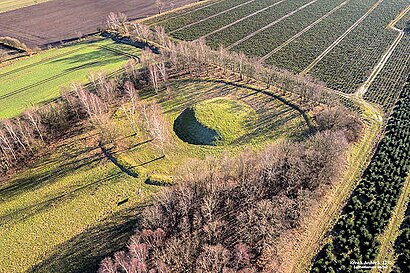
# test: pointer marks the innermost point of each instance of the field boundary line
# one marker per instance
(341, 38)
(240, 20)
(270, 24)
(379, 66)
(397, 19)
(192, 5)
(387, 239)
(212, 16)
(297, 35)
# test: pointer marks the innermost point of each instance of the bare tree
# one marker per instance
(159, 5)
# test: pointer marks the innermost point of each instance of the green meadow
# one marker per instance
(39, 78)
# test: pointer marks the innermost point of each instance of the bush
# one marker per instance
(159, 180)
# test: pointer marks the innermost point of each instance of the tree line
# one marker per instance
(195, 58)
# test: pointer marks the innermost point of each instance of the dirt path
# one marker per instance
(243, 18)
(338, 40)
(297, 35)
(212, 16)
(270, 25)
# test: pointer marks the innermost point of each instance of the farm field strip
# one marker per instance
(180, 21)
(350, 63)
(387, 239)
(233, 33)
(271, 24)
(383, 60)
(196, 31)
(243, 18)
(8, 5)
(212, 16)
(297, 35)
(338, 40)
(402, 14)
(174, 15)
(387, 85)
(297, 55)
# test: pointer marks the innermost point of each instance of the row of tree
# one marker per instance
(371, 204)
(195, 58)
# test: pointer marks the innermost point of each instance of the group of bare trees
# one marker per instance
(196, 58)
(227, 214)
(21, 137)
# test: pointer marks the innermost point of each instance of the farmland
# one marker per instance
(51, 22)
(40, 78)
(295, 34)
(7, 5)
(371, 204)
(277, 138)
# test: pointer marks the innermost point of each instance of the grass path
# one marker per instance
(388, 238)
(338, 40)
(240, 20)
(270, 25)
(297, 35)
(212, 16)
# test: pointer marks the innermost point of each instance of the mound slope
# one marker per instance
(218, 121)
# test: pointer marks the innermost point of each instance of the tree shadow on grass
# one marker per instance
(84, 252)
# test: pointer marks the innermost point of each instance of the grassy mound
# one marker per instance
(218, 121)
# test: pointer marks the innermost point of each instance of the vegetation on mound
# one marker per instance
(218, 121)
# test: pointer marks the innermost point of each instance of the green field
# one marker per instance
(40, 78)
(6, 5)
(61, 214)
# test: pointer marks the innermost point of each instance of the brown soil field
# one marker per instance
(62, 20)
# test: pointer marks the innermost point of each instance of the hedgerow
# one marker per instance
(370, 206)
